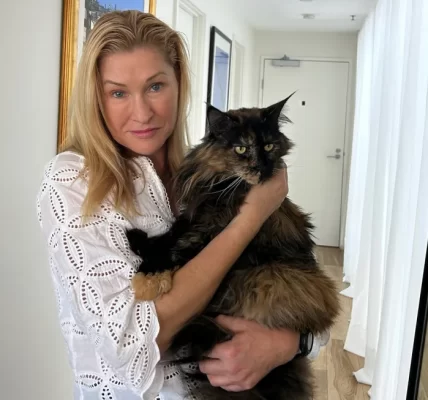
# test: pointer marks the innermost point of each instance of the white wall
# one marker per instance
(32, 353)
(234, 27)
(317, 45)
(217, 14)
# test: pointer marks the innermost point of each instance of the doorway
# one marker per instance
(318, 111)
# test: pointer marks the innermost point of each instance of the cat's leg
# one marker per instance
(154, 276)
(155, 273)
(148, 287)
(137, 240)
(200, 334)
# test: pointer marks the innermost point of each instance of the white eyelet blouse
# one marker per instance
(111, 338)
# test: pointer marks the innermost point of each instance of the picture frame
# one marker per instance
(220, 56)
(78, 16)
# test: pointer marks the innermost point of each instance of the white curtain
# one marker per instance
(387, 222)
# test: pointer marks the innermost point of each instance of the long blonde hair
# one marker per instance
(108, 168)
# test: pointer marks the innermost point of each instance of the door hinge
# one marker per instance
(263, 84)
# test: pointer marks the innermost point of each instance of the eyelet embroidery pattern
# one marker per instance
(119, 303)
(58, 204)
(53, 239)
(73, 251)
(89, 259)
(77, 223)
(70, 328)
(65, 175)
(106, 268)
(118, 239)
(89, 381)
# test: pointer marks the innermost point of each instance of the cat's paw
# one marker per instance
(150, 286)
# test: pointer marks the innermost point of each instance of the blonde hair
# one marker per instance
(109, 169)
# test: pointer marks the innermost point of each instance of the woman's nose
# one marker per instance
(141, 109)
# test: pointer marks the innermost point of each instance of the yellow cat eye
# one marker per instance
(269, 147)
(240, 149)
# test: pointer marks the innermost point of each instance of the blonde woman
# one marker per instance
(126, 138)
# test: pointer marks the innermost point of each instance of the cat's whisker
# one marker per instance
(236, 186)
(221, 181)
(226, 188)
(232, 189)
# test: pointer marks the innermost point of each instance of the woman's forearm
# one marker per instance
(194, 284)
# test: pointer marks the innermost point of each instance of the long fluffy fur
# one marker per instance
(276, 281)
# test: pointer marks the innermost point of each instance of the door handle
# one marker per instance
(336, 156)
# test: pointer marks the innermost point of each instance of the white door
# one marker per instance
(318, 113)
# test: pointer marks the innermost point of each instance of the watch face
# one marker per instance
(310, 341)
(306, 343)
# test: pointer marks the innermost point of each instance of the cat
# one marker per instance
(276, 281)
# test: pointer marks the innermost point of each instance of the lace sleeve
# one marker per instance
(94, 265)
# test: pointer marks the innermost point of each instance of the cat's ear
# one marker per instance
(218, 121)
(274, 112)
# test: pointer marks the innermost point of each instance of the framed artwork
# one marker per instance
(78, 18)
(219, 69)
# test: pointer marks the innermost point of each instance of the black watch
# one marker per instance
(306, 344)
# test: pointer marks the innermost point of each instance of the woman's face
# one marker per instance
(140, 99)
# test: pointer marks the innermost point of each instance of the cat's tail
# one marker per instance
(291, 381)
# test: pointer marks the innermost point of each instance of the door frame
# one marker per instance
(349, 123)
(236, 75)
(197, 123)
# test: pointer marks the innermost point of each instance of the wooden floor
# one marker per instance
(423, 385)
(334, 366)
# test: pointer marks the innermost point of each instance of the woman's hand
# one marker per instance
(252, 353)
(264, 198)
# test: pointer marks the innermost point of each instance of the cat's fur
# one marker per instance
(276, 281)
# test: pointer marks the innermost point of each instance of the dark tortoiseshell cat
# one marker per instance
(276, 281)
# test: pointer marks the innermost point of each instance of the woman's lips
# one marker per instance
(145, 133)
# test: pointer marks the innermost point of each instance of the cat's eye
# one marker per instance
(240, 149)
(269, 147)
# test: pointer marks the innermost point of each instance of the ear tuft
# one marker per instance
(274, 112)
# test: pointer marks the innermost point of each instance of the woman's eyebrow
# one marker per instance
(108, 81)
(156, 75)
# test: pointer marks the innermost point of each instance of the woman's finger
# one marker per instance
(211, 367)
(232, 388)
(222, 380)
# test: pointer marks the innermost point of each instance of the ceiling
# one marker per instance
(330, 15)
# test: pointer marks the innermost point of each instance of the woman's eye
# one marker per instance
(118, 94)
(156, 87)
(240, 149)
(268, 147)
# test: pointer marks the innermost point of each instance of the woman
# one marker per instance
(126, 138)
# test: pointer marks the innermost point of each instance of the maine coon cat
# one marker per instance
(276, 281)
